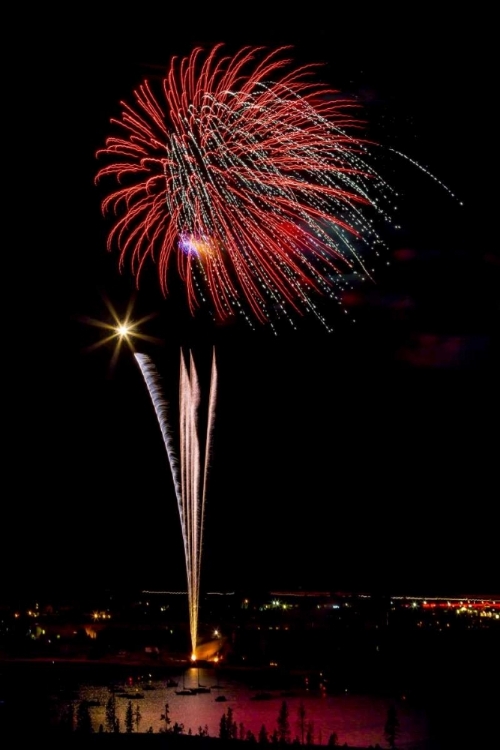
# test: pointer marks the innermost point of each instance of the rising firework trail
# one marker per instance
(249, 178)
(189, 465)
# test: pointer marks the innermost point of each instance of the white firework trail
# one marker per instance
(189, 474)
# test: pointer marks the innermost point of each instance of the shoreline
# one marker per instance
(165, 664)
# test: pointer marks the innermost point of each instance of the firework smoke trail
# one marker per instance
(190, 486)
(252, 181)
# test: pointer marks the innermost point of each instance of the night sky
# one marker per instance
(362, 459)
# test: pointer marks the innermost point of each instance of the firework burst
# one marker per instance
(249, 178)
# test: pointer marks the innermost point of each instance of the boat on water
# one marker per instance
(221, 699)
(185, 691)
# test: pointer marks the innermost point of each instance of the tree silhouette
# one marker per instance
(228, 729)
(129, 718)
(310, 733)
(137, 717)
(110, 720)
(283, 723)
(391, 729)
(223, 733)
(83, 719)
(301, 721)
(166, 718)
(231, 725)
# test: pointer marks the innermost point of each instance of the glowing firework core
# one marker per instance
(123, 330)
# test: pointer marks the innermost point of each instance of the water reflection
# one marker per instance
(198, 698)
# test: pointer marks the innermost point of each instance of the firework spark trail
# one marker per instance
(153, 383)
(191, 485)
(252, 181)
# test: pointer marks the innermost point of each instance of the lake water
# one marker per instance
(358, 720)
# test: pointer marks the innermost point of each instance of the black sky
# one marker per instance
(361, 459)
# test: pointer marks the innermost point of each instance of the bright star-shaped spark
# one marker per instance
(120, 330)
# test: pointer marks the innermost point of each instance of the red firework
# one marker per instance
(246, 175)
